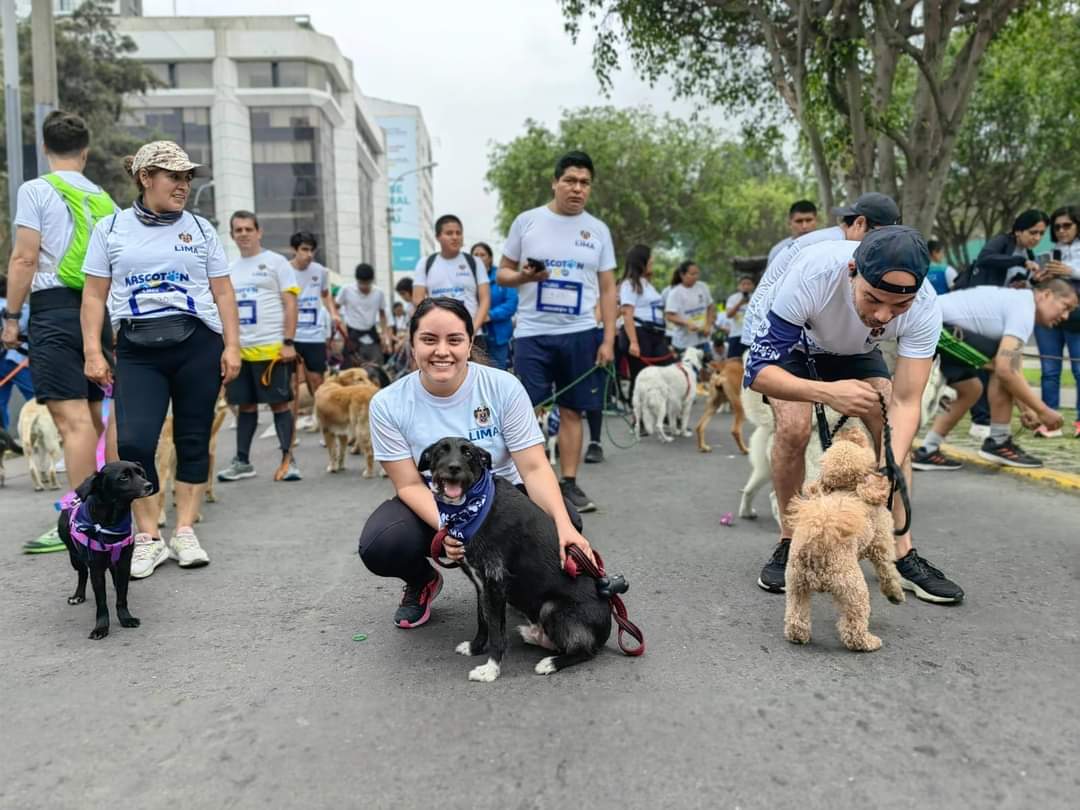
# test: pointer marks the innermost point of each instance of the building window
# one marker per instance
(367, 216)
(284, 74)
(189, 127)
(292, 165)
(183, 75)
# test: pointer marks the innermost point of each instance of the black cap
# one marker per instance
(893, 247)
(879, 209)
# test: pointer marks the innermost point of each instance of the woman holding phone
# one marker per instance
(1053, 341)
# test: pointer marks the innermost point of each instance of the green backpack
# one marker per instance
(87, 207)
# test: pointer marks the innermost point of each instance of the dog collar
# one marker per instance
(96, 537)
(463, 520)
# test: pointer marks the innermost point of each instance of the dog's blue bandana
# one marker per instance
(463, 520)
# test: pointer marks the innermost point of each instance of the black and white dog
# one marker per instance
(512, 556)
(96, 528)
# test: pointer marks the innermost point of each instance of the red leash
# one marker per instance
(576, 559)
(653, 361)
(14, 371)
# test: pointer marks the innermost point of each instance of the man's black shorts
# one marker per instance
(836, 367)
(247, 388)
(955, 370)
(56, 348)
(313, 355)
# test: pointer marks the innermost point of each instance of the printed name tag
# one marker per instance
(308, 317)
(658, 312)
(558, 296)
(149, 299)
(247, 312)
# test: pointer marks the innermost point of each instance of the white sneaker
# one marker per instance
(981, 432)
(306, 422)
(185, 549)
(61, 466)
(149, 553)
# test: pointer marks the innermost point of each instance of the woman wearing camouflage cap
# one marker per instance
(163, 273)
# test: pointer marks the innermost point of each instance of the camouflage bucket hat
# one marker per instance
(162, 155)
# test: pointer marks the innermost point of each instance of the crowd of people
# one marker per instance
(189, 324)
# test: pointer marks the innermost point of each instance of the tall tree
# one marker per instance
(659, 180)
(826, 60)
(97, 75)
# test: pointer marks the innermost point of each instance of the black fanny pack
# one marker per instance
(158, 333)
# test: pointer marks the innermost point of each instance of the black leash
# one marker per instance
(893, 471)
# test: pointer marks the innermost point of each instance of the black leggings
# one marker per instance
(147, 379)
(395, 542)
(653, 344)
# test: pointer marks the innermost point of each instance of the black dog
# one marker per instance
(97, 532)
(513, 557)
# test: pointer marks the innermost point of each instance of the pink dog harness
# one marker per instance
(96, 537)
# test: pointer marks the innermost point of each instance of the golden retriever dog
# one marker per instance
(724, 387)
(838, 520)
(165, 460)
(41, 444)
(341, 408)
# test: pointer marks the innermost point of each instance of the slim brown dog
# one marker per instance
(341, 407)
(165, 460)
(724, 386)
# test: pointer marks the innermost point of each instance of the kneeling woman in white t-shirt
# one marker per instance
(449, 396)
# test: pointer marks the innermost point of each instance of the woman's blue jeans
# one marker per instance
(1052, 344)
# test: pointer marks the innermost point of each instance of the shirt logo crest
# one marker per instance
(482, 415)
(585, 235)
(185, 238)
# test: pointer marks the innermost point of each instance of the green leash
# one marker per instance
(612, 379)
(952, 345)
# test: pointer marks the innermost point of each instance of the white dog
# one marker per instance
(761, 440)
(667, 392)
(41, 444)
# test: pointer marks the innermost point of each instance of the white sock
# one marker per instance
(999, 434)
(933, 441)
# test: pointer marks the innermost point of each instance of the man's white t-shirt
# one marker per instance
(740, 316)
(992, 312)
(817, 295)
(452, 278)
(763, 295)
(313, 281)
(259, 282)
(693, 304)
(574, 250)
(774, 251)
(157, 271)
(648, 305)
(490, 409)
(40, 208)
(360, 311)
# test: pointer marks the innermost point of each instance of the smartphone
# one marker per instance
(535, 266)
(1055, 254)
(1042, 259)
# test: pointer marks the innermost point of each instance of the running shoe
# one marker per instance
(979, 431)
(573, 493)
(185, 549)
(291, 472)
(50, 541)
(772, 577)
(415, 607)
(927, 582)
(236, 471)
(1009, 454)
(150, 552)
(1042, 432)
(923, 459)
(594, 454)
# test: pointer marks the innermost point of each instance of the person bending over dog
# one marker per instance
(449, 396)
(998, 322)
(838, 302)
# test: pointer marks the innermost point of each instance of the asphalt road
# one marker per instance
(244, 687)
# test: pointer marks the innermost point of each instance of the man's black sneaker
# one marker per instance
(772, 575)
(415, 608)
(594, 454)
(1009, 454)
(573, 493)
(923, 459)
(927, 582)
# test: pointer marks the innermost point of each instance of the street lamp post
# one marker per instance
(390, 210)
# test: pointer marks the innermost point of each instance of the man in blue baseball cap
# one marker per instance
(837, 303)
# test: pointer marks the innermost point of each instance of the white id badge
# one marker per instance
(162, 297)
(247, 312)
(658, 312)
(559, 296)
(308, 316)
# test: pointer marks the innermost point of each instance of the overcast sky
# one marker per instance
(476, 68)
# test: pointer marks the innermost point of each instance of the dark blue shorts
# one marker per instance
(547, 363)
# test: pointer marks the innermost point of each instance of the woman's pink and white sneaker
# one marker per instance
(185, 549)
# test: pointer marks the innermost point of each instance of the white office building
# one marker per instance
(412, 190)
(271, 107)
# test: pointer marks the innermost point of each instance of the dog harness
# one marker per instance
(96, 537)
(462, 521)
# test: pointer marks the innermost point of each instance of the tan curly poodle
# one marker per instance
(838, 520)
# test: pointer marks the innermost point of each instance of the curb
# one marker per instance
(1056, 478)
